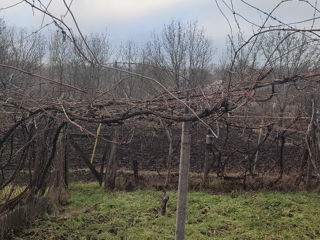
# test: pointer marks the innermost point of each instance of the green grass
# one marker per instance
(10, 192)
(96, 214)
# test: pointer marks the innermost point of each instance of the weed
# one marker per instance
(94, 213)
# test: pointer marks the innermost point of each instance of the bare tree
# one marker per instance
(59, 58)
(183, 52)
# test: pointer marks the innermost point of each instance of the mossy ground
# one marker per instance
(96, 214)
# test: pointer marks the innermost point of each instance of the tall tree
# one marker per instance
(184, 52)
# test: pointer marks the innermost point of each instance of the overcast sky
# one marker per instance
(136, 19)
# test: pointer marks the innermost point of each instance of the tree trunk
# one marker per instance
(312, 142)
(40, 157)
(309, 173)
(112, 167)
(304, 162)
(66, 164)
(57, 194)
(165, 199)
(135, 167)
(59, 164)
(183, 180)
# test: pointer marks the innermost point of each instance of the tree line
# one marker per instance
(180, 57)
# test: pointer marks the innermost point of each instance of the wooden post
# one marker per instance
(183, 180)
(170, 156)
(86, 160)
(309, 163)
(257, 152)
(103, 160)
(206, 165)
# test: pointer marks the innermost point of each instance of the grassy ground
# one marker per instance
(10, 192)
(96, 214)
